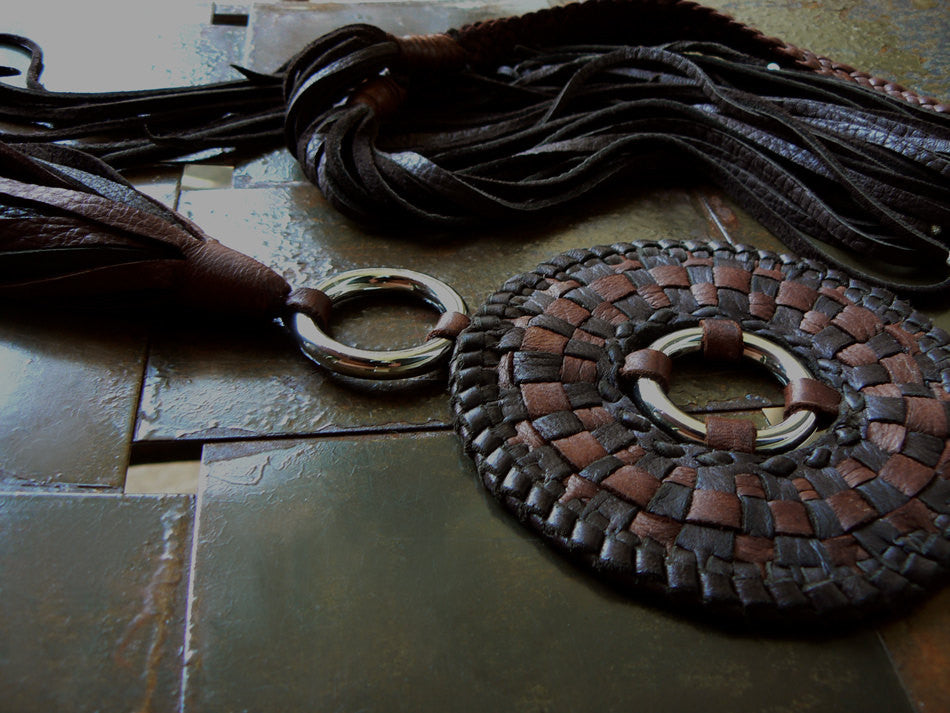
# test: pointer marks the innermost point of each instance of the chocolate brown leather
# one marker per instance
(811, 395)
(505, 119)
(449, 326)
(730, 434)
(855, 522)
(722, 339)
(75, 229)
(648, 363)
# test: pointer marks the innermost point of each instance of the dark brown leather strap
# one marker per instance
(75, 229)
(449, 326)
(313, 303)
(648, 363)
(722, 340)
(730, 434)
(812, 395)
(470, 126)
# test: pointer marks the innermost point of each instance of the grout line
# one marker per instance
(149, 451)
(186, 650)
(711, 214)
(893, 664)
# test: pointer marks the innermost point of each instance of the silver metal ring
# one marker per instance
(791, 432)
(371, 364)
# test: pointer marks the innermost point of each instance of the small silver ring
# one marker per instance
(372, 364)
(791, 432)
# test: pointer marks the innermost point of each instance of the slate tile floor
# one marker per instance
(336, 552)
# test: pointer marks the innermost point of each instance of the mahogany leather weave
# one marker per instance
(855, 522)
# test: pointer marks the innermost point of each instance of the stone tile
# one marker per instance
(905, 42)
(93, 605)
(919, 645)
(159, 45)
(69, 388)
(237, 383)
(277, 31)
(372, 573)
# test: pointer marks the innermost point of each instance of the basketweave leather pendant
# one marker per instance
(842, 510)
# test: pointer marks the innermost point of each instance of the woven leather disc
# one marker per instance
(852, 523)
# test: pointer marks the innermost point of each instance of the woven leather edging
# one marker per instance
(853, 523)
(491, 41)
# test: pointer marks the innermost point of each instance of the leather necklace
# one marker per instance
(558, 382)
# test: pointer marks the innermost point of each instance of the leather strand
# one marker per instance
(71, 230)
(502, 120)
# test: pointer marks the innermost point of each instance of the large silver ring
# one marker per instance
(371, 364)
(791, 432)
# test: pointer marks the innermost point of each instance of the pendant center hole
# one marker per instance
(381, 321)
(743, 389)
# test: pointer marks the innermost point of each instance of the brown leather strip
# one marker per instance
(749, 548)
(542, 398)
(812, 395)
(384, 95)
(613, 287)
(715, 508)
(860, 322)
(730, 434)
(656, 527)
(581, 449)
(761, 305)
(648, 363)
(749, 485)
(311, 302)
(790, 517)
(632, 484)
(224, 280)
(795, 295)
(449, 326)
(906, 474)
(850, 509)
(889, 437)
(206, 275)
(434, 52)
(733, 278)
(927, 415)
(670, 276)
(722, 340)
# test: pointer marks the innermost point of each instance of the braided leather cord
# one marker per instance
(852, 523)
(830, 68)
(653, 22)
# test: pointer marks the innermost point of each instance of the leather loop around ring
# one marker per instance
(312, 302)
(449, 326)
(812, 395)
(722, 340)
(730, 434)
(648, 363)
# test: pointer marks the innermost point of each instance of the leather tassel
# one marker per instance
(134, 128)
(72, 230)
(505, 120)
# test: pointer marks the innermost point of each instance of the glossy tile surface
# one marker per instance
(920, 648)
(900, 41)
(239, 383)
(373, 574)
(93, 606)
(68, 395)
